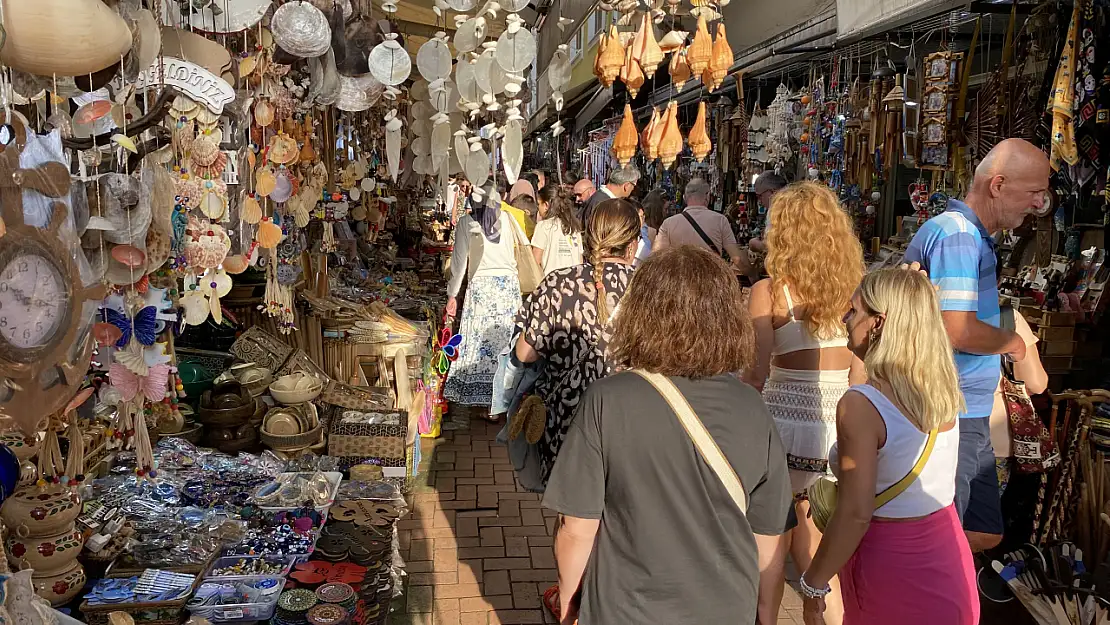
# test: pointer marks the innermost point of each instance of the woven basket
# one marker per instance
(280, 442)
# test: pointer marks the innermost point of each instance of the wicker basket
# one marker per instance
(290, 442)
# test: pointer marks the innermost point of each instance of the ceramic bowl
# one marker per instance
(296, 388)
(59, 588)
(46, 555)
(24, 448)
(34, 511)
(226, 405)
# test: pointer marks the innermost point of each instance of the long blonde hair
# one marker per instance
(812, 249)
(614, 225)
(911, 352)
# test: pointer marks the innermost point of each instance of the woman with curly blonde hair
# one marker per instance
(803, 365)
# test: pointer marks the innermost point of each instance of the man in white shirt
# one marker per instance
(622, 182)
(700, 226)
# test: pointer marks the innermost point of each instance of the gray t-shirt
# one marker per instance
(673, 548)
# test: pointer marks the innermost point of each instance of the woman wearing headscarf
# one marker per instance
(484, 252)
(521, 188)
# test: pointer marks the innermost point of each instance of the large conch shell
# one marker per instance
(700, 51)
(649, 147)
(720, 61)
(611, 58)
(646, 50)
(679, 69)
(699, 138)
(624, 144)
(602, 41)
(671, 142)
(631, 74)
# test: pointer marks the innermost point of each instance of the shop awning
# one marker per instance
(856, 19)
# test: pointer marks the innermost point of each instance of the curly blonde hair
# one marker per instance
(812, 248)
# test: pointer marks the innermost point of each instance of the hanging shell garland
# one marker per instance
(631, 74)
(679, 69)
(671, 142)
(701, 50)
(647, 51)
(699, 138)
(649, 147)
(251, 210)
(720, 61)
(611, 59)
(269, 234)
(624, 144)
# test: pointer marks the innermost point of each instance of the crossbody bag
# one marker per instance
(702, 234)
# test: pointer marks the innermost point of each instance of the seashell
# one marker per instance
(389, 63)
(699, 138)
(679, 69)
(269, 234)
(125, 142)
(204, 151)
(673, 41)
(631, 74)
(611, 59)
(195, 306)
(283, 188)
(263, 113)
(236, 264)
(646, 50)
(624, 144)
(92, 112)
(602, 41)
(213, 205)
(649, 147)
(264, 181)
(700, 51)
(129, 256)
(247, 65)
(283, 149)
(670, 144)
(301, 29)
(720, 61)
(307, 153)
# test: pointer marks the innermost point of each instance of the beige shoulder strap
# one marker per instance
(705, 444)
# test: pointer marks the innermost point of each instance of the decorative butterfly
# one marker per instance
(152, 385)
(145, 325)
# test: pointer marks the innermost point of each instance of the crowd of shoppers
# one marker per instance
(693, 438)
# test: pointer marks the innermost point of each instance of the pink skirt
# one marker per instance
(911, 573)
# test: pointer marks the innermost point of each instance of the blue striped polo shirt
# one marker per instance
(958, 253)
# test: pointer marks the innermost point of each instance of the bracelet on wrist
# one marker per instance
(809, 592)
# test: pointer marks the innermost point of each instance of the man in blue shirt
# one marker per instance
(957, 251)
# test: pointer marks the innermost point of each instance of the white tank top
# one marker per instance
(794, 336)
(935, 488)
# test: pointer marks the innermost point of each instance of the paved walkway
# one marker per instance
(479, 548)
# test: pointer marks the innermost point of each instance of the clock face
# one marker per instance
(33, 301)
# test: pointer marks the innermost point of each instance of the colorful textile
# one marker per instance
(486, 326)
(958, 254)
(912, 573)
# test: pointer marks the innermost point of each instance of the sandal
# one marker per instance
(493, 418)
(551, 601)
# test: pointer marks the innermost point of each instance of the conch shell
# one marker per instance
(646, 50)
(624, 144)
(699, 52)
(602, 40)
(651, 151)
(631, 74)
(656, 135)
(671, 143)
(699, 138)
(673, 41)
(679, 69)
(611, 58)
(721, 59)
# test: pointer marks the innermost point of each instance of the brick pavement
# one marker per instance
(478, 547)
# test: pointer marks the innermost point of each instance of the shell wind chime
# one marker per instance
(624, 144)
(699, 138)
(719, 62)
(610, 58)
(670, 144)
(701, 50)
(647, 51)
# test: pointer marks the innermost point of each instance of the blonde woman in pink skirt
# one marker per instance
(908, 561)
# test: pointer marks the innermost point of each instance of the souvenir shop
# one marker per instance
(224, 226)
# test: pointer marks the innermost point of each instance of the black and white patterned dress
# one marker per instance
(560, 321)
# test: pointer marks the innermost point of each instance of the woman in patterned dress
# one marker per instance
(566, 319)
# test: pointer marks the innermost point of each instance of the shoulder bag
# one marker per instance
(528, 272)
(701, 233)
(1033, 447)
(704, 443)
(823, 493)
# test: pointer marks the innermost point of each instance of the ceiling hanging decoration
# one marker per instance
(701, 50)
(719, 62)
(679, 69)
(649, 139)
(699, 137)
(670, 143)
(610, 58)
(433, 59)
(631, 74)
(647, 51)
(389, 62)
(301, 29)
(624, 144)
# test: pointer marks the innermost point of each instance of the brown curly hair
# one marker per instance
(682, 315)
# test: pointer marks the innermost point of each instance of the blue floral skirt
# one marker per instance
(486, 327)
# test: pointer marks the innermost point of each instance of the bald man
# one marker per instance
(956, 248)
(584, 189)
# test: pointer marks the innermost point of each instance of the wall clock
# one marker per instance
(44, 335)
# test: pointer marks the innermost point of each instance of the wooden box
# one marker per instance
(1056, 348)
(1057, 364)
(1056, 333)
(1049, 318)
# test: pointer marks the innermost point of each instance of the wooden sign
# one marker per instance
(191, 79)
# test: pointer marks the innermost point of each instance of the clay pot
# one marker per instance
(22, 447)
(46, 555)
(34, 511)
(59, 588)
